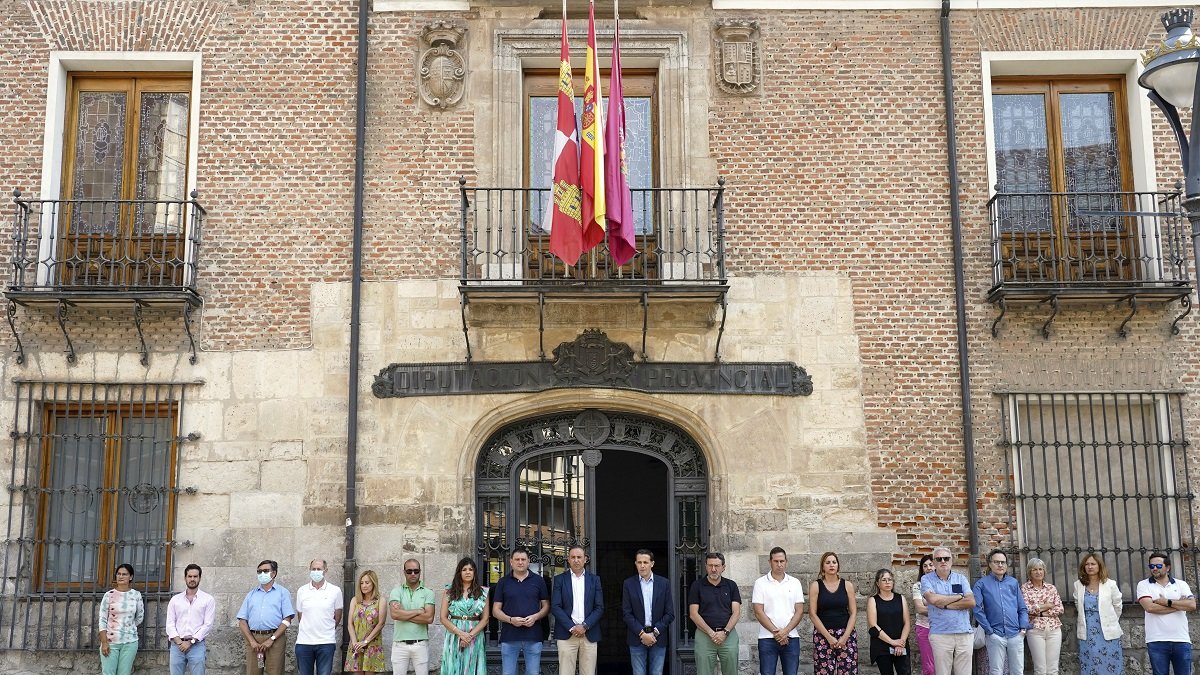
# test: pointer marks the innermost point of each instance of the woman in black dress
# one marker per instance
(887, 621)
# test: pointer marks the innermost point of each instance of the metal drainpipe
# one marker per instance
(360, 133)
(960, 297)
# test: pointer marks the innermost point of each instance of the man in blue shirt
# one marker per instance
(1001, 613)
(263, 619)
(519, 603)
(949, 599)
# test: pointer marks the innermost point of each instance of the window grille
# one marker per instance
(1103, 472)
(93, 484)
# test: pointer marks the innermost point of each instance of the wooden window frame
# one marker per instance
(125, 255)
(1063, 266)
(113, 448)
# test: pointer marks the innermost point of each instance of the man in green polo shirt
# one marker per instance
(411, 606)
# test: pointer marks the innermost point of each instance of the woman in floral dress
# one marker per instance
(1098, 600)
(465, 613)
(365, 654)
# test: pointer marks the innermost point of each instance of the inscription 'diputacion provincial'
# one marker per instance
(591, 360)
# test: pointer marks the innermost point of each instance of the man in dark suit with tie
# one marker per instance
(648, 611)
(577, 603)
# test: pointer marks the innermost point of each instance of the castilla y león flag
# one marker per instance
(591, 154)
(563, 218)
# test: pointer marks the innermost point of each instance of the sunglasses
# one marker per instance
(1157, 566)
(412, 571)
(946, 559)
(266, 571)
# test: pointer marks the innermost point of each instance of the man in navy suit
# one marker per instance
(577, 604)
(648, 611)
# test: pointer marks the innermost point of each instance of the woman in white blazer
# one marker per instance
(1098, 608)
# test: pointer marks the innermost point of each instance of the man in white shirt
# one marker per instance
(318, 611)
(1166, 601)
(189, 619)
(778, 601)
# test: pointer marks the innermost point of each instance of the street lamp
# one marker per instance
(1171, 75)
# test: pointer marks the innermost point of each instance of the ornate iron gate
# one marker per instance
(535, 487)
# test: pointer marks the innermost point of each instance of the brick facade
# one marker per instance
(839, 248)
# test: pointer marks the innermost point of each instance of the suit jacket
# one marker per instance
(563, 599)
(662, 611)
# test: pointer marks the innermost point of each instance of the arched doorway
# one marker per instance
(613, 482)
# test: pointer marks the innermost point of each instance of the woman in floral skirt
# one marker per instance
(832, 610)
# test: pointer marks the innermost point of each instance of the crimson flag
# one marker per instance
(616, 169)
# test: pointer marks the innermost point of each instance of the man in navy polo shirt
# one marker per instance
(519, 603)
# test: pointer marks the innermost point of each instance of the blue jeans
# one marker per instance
(533, 657)
(318, 656)
(1174, 655)
(1001, 649)
(640, 657)
(770, 653)
(192, 661)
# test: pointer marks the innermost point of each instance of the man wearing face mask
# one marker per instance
(263, 619)
(318, 613)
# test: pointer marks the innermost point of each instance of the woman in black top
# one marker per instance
(832, 610)
(887, 621)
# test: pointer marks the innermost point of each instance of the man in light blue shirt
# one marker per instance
(949, 599)
(1001, 612)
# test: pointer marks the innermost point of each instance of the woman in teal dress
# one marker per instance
(465, 613)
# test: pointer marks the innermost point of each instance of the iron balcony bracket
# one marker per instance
(463, 302)
(1186, 303)
(996, 323)
(187, 326)
(137, 324)
(11, 314)
(541, 326)
(721, 329)
(645, 321)
(61, 315)
(1053, 314)
(1133, 308)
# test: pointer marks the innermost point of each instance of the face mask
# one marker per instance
(264, 577)
(317, 576)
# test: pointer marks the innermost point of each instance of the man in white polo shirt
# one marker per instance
(1166, 601)
(778, 601)
(318, 611)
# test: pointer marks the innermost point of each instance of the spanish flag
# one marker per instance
(563, 218)
(591, 156)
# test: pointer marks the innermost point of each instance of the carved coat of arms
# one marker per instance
(739, 69)
(443, 70)
(593, 359)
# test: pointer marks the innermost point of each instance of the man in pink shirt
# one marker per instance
(189, 619)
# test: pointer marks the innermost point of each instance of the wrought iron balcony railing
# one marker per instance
(99, 247)
(679, 242)
(1117, 242)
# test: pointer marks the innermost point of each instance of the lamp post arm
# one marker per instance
(1172, 116)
